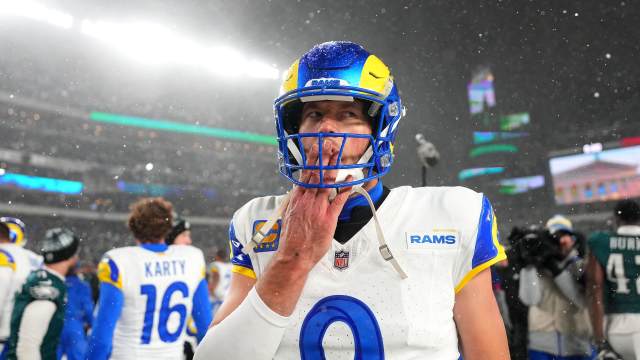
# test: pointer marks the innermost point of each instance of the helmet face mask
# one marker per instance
(338, 71)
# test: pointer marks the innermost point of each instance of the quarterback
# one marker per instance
(343, 267)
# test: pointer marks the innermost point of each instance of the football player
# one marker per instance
(38, 312)
(613, 278)
(180, 233)
(219, 279)
(16, 263)
(78, 317)
(343, 267)
(148, 291)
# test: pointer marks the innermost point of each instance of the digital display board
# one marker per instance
(599, 176)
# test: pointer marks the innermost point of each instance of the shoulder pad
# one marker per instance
(257, 208)
(108, 272)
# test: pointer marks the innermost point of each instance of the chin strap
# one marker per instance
(383, 248)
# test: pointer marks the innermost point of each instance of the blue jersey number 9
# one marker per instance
(349, 310)
(165, 312)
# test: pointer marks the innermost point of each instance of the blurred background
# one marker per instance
(534, 103)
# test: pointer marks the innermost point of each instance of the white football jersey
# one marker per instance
(224, 271)
(158, 289)
(355, 304)
(16, 263)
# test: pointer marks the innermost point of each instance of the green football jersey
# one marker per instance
(620, 258)
(40, 285)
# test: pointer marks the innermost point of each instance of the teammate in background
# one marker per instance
(38, 312)
(219, 279)
(317, 273)
(613, 275)
(19, 237)
(147, 291)
(78, 317)
(180, 233)
(7, 290)
(16, 263)
(553, 288)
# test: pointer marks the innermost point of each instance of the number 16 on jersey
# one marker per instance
(166, 309)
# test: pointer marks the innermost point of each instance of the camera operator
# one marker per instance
(515, 318)
(551, 285)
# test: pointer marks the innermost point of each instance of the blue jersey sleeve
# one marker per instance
(487, 240)
(486, 249)
(241, 263)
(109, 309)
(87, 304)
(201, 312)
(110, 306)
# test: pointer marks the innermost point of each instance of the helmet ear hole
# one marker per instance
(292, 116)
(368, 110)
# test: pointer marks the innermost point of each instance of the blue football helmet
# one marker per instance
(16, 230)
(339, 71)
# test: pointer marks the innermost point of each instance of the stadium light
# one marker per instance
(145, 42)
(592, 148)
(148, 167)
(155, 44)
(35, 11)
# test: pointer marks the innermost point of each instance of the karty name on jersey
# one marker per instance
(164, 268)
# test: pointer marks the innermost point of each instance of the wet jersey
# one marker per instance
(354, 303)
(40, 285)
(619, 256)
(16, 263)
(153, 289)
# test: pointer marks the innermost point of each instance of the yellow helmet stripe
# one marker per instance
(375, 75)
(291, 79)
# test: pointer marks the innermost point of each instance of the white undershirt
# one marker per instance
(33, 327)
(35, 324)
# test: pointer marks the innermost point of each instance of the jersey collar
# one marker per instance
(54, 273)
(375, 193)
(160, 247)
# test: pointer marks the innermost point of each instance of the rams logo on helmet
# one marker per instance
(327, 82)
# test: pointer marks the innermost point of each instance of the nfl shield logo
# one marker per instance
(341, 260)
